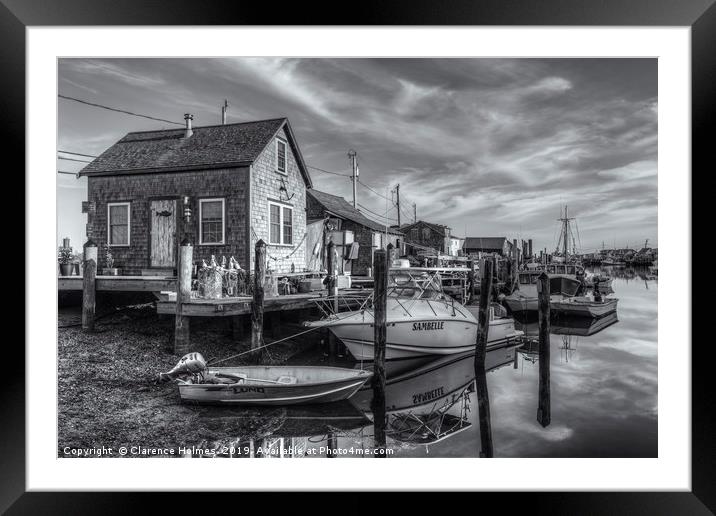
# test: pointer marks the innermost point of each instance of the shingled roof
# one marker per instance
(341, 208)
(484, 243)
(214, 146)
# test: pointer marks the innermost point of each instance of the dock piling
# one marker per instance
(483, 400)
(257, 307)
(181, 321)
(470, 294)
(380, 299)
(544, 415)
(89, 285)
(332, 285)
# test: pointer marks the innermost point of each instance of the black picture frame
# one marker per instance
(700, 15)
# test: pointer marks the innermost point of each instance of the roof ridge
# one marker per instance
(195, 127)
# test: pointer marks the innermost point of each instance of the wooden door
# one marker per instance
(163, 223)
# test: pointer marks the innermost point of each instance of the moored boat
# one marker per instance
(585, 306)
(421, 320)
(524, 299)
(263, 385)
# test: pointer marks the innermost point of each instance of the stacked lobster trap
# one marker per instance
(215, 280)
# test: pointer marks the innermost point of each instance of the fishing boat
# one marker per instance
(263, 385)
(421, 320)
(524, 299)
(654, 269)
(565, 325)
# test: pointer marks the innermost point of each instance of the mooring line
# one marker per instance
(213, 362)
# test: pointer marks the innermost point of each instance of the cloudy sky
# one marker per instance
(489, 147)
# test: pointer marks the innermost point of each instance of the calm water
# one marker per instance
(603, 397)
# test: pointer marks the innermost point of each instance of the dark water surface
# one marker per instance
(603, 397)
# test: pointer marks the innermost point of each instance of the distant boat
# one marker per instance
(524, 299)
(654, 269)
(565, 325)
(583, 306)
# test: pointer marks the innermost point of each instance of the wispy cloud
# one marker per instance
(493, 145)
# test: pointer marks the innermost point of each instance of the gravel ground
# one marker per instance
(107, 390)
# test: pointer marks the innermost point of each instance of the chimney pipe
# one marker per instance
(188, 118)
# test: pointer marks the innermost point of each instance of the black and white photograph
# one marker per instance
(322, 257)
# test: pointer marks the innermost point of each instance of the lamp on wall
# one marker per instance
(187, 210)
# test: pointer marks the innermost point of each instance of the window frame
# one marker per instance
(128, 204)
(281, 207)
(285, 157)
(223, 220)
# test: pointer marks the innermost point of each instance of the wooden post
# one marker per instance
(483, 400)
(183, 288)
(544, 414)
(380, 299)
(88, 285)
(469, 295)
(332, 284)
(257, 307)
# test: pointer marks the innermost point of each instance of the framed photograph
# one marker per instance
(429, 237)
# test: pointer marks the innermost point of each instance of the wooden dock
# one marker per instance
(230, 306)
(121, 283)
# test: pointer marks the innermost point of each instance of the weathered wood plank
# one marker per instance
(89, 286)
(120, 283)
(181, 321)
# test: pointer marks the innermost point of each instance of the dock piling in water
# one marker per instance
(257, 307)
(181, 321)
(544, 415)
(332, 285)
(380, 299)
(89, 285)
(483, 400)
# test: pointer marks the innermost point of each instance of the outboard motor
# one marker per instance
(191, 363)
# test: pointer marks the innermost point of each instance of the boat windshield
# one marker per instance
(414, 285)
(528, 278)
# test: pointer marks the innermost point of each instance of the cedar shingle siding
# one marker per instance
(426, 234)
(236, 162)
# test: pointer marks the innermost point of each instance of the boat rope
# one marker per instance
(213, 362)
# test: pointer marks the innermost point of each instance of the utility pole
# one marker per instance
(397, 201)
(415, 212)
(224, 107)
(354, 165)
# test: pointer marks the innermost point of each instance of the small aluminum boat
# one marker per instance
(274, 385)
(263, 385)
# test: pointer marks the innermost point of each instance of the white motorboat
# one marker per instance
(421, 320)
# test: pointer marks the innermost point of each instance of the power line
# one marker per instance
(328, 171)
(78, 154)
(376, 193)
(377, 214)
(119, 110)
(73, 159)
